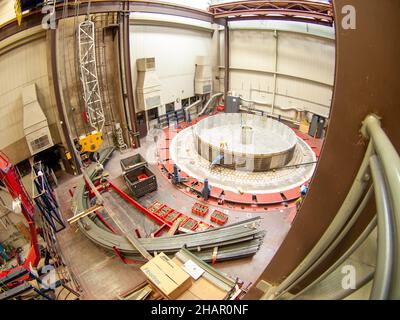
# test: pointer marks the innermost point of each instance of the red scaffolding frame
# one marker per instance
(12, 181)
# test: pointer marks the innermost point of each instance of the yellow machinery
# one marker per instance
(91, 142)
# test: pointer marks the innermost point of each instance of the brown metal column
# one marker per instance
(227, 60)
(366, 81)
(128, 76)
(57, 95)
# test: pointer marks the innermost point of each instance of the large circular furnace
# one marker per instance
(267, 156)
(244, 142)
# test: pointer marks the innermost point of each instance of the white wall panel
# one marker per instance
(253, 49)
(305, 56)
(253, 86)
(6, 11)
(175, 51)
(305, 69)
(21, 66)
(304, 90)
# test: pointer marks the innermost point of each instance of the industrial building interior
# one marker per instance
(199, 150)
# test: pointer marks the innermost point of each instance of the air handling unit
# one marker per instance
(148, 85)
(203, 76)
(36, 127)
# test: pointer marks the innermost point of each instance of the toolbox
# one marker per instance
(200, 209)
(189, 224)
(219, 217)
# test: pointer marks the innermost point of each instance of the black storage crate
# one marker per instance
(132, 162)
(139, 187)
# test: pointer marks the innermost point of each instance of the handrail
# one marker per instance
(382, 163)
(390, 161)
(339, 237)
(187, 109)
(345, 212)
(381, 284)
(360, 240)
(217, 95)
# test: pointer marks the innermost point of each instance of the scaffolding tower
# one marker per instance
(88, 73)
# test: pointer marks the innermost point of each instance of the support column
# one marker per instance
(227, 60)
(275, 71)
(57, 94)
(128, 94)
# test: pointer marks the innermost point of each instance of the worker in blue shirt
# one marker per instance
(3, 253)
(303, 192)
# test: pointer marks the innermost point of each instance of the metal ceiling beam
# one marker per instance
(293, 10)
(34, 18)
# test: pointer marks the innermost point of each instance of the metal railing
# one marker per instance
(379, 174)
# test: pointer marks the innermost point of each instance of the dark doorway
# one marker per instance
(50, 158)
(170, 107)
(142, 126)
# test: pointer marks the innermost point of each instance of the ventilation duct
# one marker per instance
(148, 85)
(36, 128)
(203, 76)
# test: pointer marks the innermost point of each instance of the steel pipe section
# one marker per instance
(246, 142)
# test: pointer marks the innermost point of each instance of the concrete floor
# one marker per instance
(103, 276)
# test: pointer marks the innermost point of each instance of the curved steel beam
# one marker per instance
(366, 82)
(242, 239)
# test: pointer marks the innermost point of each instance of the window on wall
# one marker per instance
(170, 107)
(185, 102)
(24, 168)
(152, 114)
